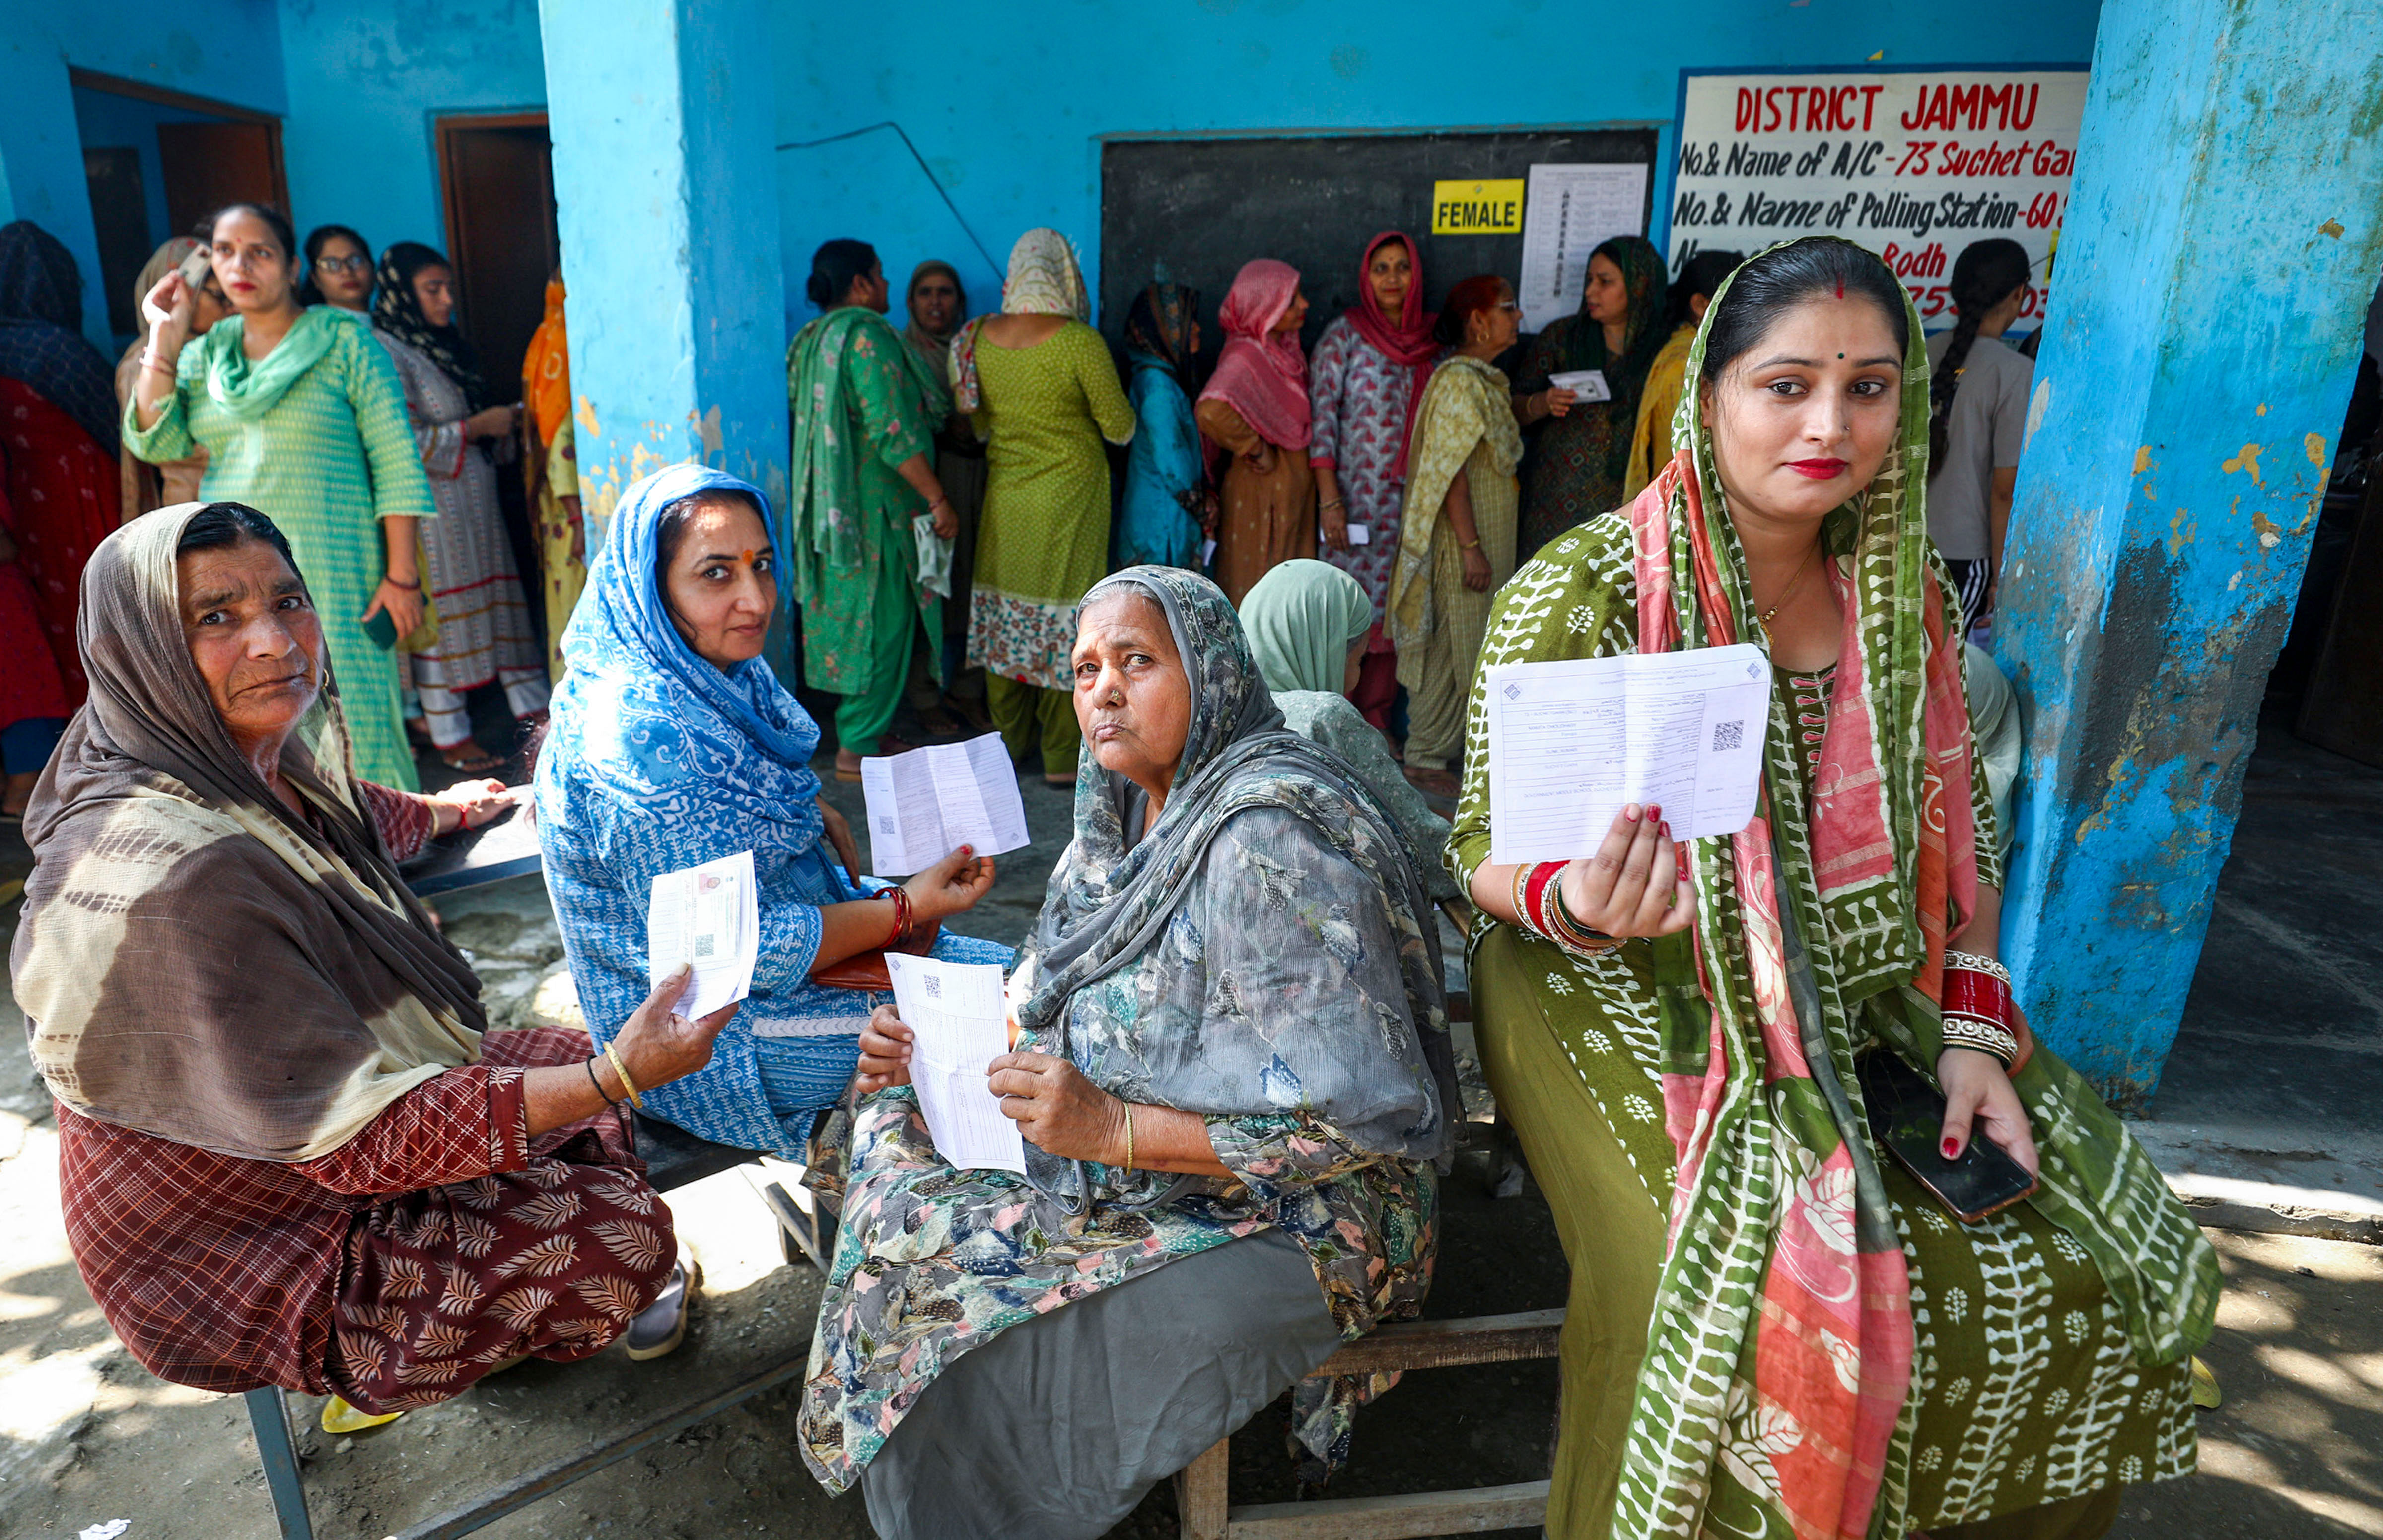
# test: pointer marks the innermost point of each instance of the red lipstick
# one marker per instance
(1819, 470)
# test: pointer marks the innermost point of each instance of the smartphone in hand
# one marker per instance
(196, 267)
(1907, 1119)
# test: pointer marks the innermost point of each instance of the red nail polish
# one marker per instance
(1630, 811)
(1951, 1150)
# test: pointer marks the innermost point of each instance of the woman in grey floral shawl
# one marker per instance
(1233, 960)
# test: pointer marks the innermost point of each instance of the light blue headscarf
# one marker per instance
(656, 723)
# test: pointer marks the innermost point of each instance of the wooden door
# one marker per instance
(209, 165)
(119, 215)
(498, 178)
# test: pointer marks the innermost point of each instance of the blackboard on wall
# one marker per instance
(1194, 210)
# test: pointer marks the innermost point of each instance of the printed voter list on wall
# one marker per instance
(1572, 742)
(1914, 164)
(710, 917)
(1571, 210)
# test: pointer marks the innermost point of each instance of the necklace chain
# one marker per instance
(1764, 617)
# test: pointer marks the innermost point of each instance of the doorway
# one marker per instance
(496, 174)
(157, 162)
(496, 178)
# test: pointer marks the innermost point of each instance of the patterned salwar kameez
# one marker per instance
(1778, 1333)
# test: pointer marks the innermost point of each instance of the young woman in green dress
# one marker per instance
(303, 417)
(1773, 1331)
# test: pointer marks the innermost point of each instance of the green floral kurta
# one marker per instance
(932, 1262)
(860, 401)
(325, 462)
(2025, 1387)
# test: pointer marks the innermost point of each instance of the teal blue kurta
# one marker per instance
(327, 462)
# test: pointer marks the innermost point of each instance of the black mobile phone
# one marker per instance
(1907, 1116)
(382, 629)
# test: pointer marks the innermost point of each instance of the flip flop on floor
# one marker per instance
(469, 759)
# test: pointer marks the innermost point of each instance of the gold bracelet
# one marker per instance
(1129, 1136)
(1474, 543)
(627, 1084)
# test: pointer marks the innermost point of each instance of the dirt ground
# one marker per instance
(87, 1437)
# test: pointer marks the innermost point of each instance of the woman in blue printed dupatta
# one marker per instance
(1232, 1081)
(673, 744)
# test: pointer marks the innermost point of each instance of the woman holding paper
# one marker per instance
(1232, 1077)
(1580, 447)
(1773, 1328)
(290, 1151)
(1456, 540)
(675, 744)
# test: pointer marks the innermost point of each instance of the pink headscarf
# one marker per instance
(1261, 376)
(1406, 341)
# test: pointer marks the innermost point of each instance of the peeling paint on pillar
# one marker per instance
(662, 113)
(2139, 624)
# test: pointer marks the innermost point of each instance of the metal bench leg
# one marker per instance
(268, 1416)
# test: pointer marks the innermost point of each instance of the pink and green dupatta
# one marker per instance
(1785, 1335)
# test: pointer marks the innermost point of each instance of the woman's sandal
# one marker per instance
(661, 1326)
(469, 759)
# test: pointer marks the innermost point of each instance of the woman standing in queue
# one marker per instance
(937, 303)
(1773, 1330)
(485, 633)
(1368, 375)
(1977, 421)
(550, 466)
(302, 416)
(1580, 449)
(1456, 539)
(57, 434)
(1039, 386)
(339, 270)
(1255, 411)
(1659, 398)
(1167, 506)
(865, 414)
(143, 487)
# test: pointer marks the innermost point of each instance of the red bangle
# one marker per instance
(1535, 895)
(1971, 992)
(901, 916)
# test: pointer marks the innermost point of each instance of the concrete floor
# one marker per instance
(86, 1436)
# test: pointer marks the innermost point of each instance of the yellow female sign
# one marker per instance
(1478, 208)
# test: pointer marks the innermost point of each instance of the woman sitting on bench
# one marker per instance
(287, 1154)
(1233, 1078)
(672, 744)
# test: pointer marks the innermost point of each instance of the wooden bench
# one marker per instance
(1201, 1489)
(673, 1158)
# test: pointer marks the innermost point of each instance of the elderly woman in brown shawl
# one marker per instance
(288, 1154)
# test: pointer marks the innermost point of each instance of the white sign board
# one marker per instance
(1572, 210)
(1914, 164)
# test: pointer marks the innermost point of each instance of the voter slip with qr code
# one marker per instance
(709, 917)
(1572, 742)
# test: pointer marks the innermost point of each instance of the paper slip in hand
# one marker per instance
(1570, 742)
(1587, 384)
(958, 1016)
(709, 916)
(927, 803)
(1361, 535)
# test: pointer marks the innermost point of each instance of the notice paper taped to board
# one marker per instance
(1570, 742)
(1571, 210)
(958, 1019)
(928, 802)
(707, 915)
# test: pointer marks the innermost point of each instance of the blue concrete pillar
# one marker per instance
(40, 158)
(662, 114)
(2214, 271)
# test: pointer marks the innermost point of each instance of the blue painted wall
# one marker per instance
(1011, 130)
(367, 78)
(230, 50)
(2174, 474)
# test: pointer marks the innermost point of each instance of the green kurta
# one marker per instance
(1043, 537)
(860, 404)
(326, 460)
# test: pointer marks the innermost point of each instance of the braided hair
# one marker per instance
(1984, 276)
